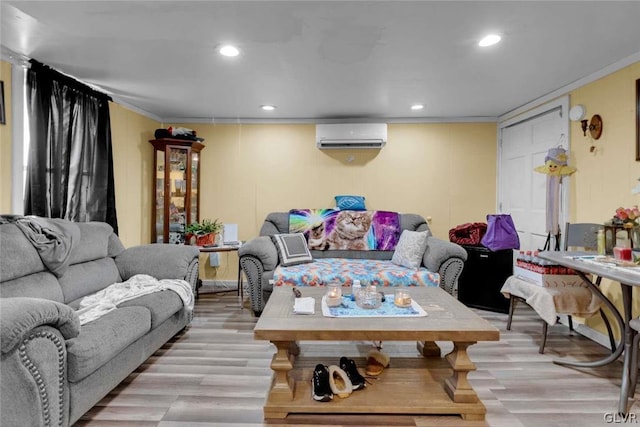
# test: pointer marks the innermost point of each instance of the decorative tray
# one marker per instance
(349, 308)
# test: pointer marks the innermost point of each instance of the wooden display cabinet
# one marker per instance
(176, 195)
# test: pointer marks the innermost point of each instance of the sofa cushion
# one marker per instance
(88, 278)
(162, 305)
(18, 257)
(157, 260)
(292, 249)
(352, 254)
(115, 247)
(410, 249)
(344, 271)
(101, 340)
(93, 243)
(37, 285)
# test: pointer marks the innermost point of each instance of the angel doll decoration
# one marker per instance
(555, 167)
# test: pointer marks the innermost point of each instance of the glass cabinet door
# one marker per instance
(158, 235)
(178, 159)
(195, 197)
(177, 182)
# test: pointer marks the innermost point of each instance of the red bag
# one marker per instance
(470, 233)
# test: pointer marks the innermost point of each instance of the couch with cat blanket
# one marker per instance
(59, 359)
(340, 252)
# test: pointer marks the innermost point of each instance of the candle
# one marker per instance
(623, 254)
(402, 298)
(334, 295)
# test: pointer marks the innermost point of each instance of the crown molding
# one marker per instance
(14, 58)
(565, 90)
(390, 120)
(133, 108)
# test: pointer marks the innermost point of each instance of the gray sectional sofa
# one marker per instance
(259, 256)
(52, 369)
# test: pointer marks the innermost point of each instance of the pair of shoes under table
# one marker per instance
(333, 380)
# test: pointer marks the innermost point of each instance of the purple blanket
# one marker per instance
(346, 230)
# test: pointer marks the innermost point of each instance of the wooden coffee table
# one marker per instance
(426, 384)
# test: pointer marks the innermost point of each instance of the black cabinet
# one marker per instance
(482, 278)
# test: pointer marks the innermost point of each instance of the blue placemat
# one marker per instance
(387, 309)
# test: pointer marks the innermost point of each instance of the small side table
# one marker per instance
(228, 248)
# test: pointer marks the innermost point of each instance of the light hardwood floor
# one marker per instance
(216, 374)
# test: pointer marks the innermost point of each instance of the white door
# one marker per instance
(523, 145)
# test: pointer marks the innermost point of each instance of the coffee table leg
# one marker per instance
(457, 386)
(282, 362)
(428, 348)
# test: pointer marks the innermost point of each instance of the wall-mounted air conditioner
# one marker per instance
(351, 135)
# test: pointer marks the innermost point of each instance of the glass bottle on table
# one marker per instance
(355, 289)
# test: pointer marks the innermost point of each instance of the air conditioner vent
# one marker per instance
(351, 135)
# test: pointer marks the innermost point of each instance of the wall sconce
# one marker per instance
(594, 126)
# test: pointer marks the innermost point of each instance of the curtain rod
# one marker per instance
(39, 67)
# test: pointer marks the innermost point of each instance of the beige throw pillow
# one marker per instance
(410, 249)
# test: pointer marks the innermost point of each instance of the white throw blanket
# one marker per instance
(97, 305)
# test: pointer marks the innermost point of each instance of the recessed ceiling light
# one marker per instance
(489, 40)
(268, 107)
(228, 50)
(417, 107)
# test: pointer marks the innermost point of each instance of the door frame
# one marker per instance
(561, 103)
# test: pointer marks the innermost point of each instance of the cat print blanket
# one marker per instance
(346, 230)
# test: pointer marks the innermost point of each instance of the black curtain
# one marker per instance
(70, 164)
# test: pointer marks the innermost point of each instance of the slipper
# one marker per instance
(376, 362)
(339, 382)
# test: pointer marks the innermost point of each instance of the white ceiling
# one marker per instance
(321, 60)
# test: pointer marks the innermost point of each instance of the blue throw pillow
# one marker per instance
(351, 203)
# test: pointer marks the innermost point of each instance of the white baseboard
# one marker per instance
(585, 331)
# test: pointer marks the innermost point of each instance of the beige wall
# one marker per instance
(445, 171)
(5, 142)
(133, 168)
(606, 176)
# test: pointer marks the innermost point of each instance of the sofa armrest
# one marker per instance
(258, 258)
(34, 389)
(20, 316)
(263, 249)
(158, 260)
(447, 259)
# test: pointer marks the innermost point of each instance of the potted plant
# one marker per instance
(203, 233)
